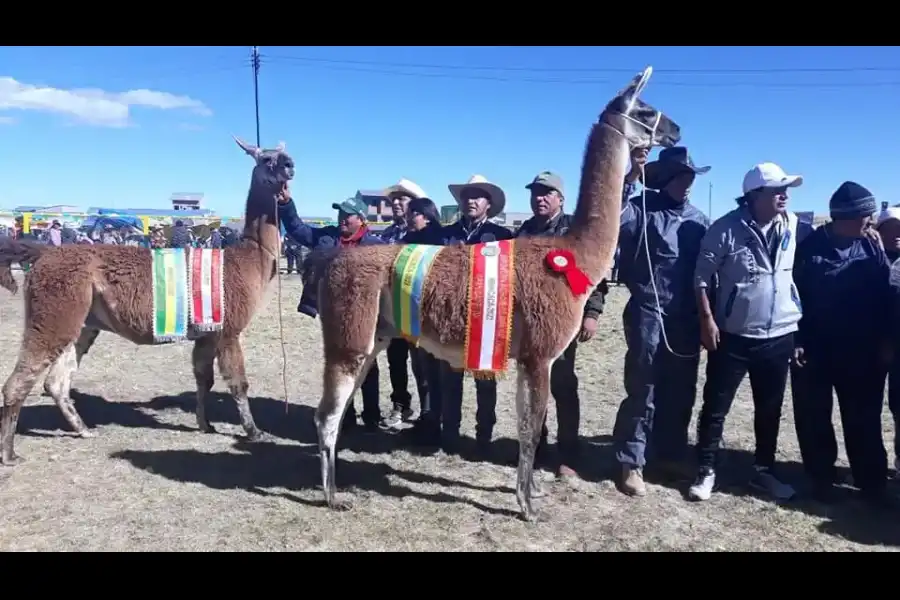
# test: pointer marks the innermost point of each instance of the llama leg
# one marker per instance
(85, 340)
(231, 365)
(341, 380)
(204, 357)
(33, 360)
(532, 395)
(58, 383)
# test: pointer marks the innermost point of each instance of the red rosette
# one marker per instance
(563, 261)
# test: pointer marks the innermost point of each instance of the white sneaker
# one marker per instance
(702, 488)
(766, 481)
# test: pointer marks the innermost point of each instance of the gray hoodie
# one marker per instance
(755, 297)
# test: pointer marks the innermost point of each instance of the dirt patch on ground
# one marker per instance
(151, 481)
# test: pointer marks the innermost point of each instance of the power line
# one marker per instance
(345, 66)
(733, 71)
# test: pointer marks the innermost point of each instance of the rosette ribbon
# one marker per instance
(563, 261)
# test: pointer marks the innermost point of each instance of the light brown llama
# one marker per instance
(74, 292)
(546, 313)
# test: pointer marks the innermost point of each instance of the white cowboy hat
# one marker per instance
(405, 187)
(497, 196)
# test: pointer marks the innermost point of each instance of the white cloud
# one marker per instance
(91, 106)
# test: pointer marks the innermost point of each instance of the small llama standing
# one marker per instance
(478, 306)
(74, 292)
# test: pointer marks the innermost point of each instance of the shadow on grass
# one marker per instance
(95, 411)
(259, 467)
(847, 516)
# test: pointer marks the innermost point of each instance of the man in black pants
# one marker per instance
(547, 198)
(479, 201)
(751, 252)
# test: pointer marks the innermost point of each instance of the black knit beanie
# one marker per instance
(851, 201)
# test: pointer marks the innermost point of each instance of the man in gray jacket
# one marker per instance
(751, 329)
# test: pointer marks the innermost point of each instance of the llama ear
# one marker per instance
(250, 149)
(279, 147)
(637, 84)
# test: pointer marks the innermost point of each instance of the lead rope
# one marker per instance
(659, 312)
(280, 312)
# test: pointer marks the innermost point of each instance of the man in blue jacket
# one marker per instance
(350, 231)
(660, 320)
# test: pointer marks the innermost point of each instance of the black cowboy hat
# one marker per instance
(670, 163)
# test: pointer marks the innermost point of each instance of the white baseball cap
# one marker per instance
(769, 175)
(891, 212)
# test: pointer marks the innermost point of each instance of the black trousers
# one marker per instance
(564, 387)
(857, 378)
(451, 409)
(371, 414)
(767, 362)
(427, 372)
(293, 261)
(397, 353)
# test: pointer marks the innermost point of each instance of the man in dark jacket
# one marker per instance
(661, 322)
(350, 231)
(399, 196)
(547, 197)
(479, 201)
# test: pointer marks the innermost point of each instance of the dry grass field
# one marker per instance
(150, 481)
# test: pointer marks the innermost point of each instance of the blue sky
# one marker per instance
(154, 121)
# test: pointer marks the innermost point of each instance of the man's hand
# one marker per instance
(588, 329)
(709, 333)
(638, 160)
(873, 235)
(799, 360)
(284, 196)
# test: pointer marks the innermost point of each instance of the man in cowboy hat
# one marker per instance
(662, 329)
(399, 196)
(547, 199)
(479, 200)
(351, 230)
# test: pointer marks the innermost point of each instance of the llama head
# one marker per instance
(274, 168)
(641, 124)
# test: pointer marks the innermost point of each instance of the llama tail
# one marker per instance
(16, 251)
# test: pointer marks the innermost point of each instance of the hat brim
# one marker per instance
(340, 208)
(498, 196)
(533, 184)
(400, 190)
(658, 173)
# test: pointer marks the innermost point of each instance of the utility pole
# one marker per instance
(254, 58)
(709, 214)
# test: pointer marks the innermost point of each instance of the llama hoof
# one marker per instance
(342, 505)
(531, 516)
(12, 460)
(86, 434)
(255, 436)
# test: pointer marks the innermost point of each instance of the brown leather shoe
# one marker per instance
(632, 482)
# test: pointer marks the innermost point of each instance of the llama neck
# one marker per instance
(595, 223)
(261, 223)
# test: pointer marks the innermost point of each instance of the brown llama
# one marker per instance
(545, 310)
(74, 292)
